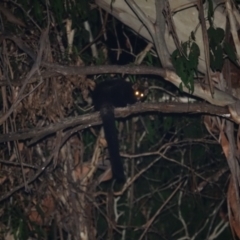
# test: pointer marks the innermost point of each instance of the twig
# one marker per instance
(149, 223)
(206, 44)
(34, 69)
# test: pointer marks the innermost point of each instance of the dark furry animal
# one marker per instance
(106, 96)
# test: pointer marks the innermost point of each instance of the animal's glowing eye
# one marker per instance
(137, 93)
(142, 94)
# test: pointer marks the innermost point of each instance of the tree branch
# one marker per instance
(93, 119)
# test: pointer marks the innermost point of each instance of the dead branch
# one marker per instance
(93, 119)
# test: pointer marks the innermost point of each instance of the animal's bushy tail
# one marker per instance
(111, 135)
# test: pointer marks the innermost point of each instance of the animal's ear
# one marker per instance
(138, 85)
(146, 88)
(142, 87)
(135, 86)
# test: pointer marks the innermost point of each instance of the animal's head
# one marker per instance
(140, 91)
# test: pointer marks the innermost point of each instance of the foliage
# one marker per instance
(186, 63)
(216, 50)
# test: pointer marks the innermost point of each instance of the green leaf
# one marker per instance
(194, 55)
(186, 66)
(215, 36)
(230, 51)
(219, 58)
(220, 33)
(210, 12)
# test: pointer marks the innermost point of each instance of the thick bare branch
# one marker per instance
(93, 119)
